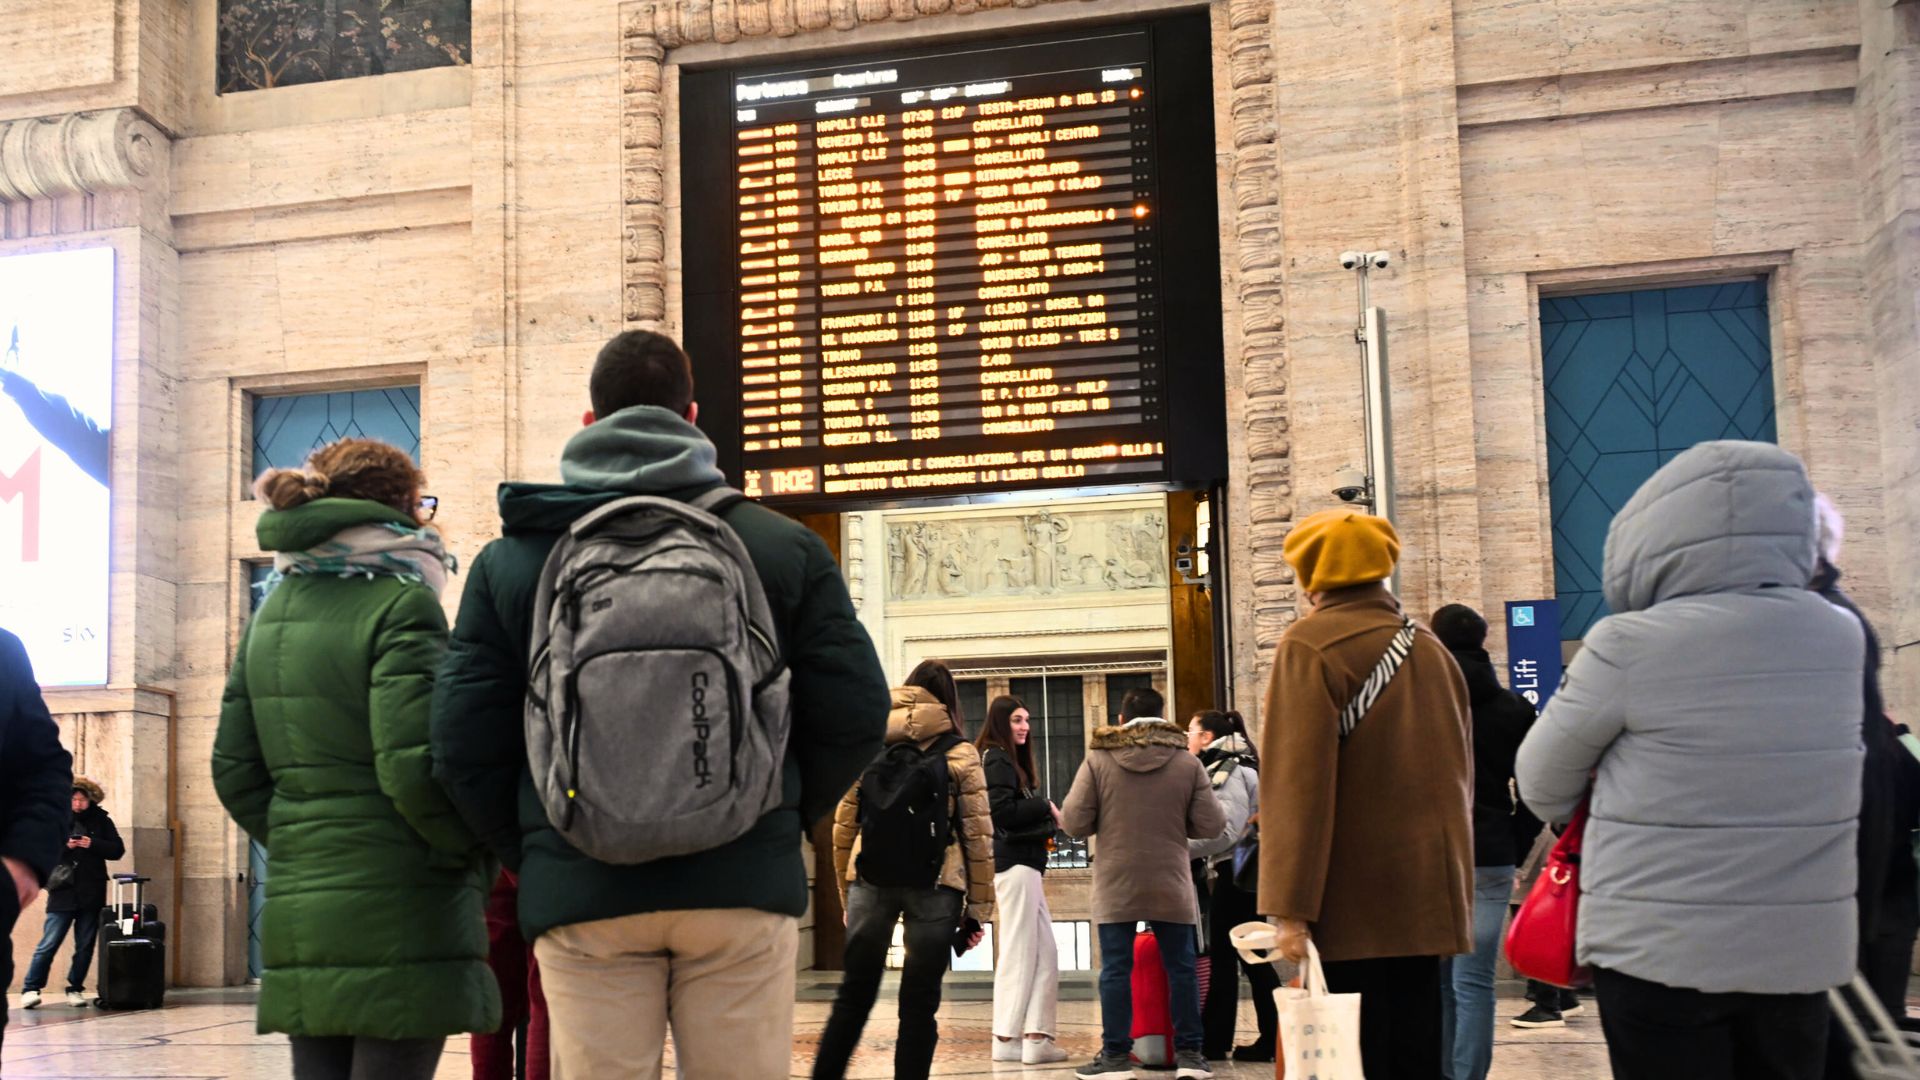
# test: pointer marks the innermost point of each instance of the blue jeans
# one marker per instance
(1466, 982)
(86, 930)
(1177, 948)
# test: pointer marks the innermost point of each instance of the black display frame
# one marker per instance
(1191, 310)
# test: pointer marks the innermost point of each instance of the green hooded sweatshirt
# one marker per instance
(375, 922)
(839, 693)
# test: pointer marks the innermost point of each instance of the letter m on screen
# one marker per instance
(24, 484)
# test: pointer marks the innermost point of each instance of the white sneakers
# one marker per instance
(1028, 1051)
(1041, 1052)
(30, 999)
(76, 999)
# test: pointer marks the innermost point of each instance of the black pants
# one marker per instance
(1231, 906)
(932, 914)
(9, 913)
(1657, 1032)
(348, 1057)
(1400, 1036)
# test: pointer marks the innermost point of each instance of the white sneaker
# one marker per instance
(1006, 1049)
(30, 999)
(1041, 1052)
(77, 999)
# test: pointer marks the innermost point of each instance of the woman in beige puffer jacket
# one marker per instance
(925, 712)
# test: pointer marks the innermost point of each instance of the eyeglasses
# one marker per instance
(429, 506)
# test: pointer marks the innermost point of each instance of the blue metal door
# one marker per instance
(1632, 379)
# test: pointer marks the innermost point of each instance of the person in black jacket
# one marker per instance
(1026, 980)
(1501, 719)
(1889, 885)
(35, 771)
(92, 843)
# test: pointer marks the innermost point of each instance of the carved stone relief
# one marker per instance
(1041, 553)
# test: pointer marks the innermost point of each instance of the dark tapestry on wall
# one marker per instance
(269, 43)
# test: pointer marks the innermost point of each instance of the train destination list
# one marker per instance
(948, 285)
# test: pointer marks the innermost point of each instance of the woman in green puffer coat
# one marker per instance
(374, 936)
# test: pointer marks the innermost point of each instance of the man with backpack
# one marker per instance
(1366, 793)
(1145, 796)
(912, 843)
(645, 704)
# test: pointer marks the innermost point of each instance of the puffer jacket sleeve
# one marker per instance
(1205, 816)
(407, 645)
(477, 725)
(1237, 796)
(846, 829)
(976, 828)
(1582, 720)
(839, 693)
(240, 775)
(1080, 814)
(1299, 770)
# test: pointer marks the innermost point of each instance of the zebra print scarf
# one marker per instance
(1397, 651)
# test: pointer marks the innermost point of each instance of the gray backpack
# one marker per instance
(657, 709)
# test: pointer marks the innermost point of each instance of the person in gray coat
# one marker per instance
(1717, 711)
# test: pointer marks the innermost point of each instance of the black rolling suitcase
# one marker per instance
(133, 950)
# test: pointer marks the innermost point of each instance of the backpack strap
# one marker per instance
(717, 501)
(1397, 652)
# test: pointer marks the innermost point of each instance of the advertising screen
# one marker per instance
(56, 403)
(947, 273)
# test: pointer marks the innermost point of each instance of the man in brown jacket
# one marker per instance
(1145, 796)
(1367, 841)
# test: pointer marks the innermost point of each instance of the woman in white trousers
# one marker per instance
(1026, 974)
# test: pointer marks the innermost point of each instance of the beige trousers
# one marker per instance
(722, 979)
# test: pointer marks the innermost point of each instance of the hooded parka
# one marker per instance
(1144, 796)
(1718, 712)
(919, 718)
(375, 923)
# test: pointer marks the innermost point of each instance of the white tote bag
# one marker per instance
(1319, 1031)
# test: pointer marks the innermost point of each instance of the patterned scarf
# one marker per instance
(382, 550)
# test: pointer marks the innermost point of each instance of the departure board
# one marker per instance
(946, 272)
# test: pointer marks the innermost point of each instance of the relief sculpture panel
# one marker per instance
(1034, 554)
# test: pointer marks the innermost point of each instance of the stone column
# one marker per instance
(1887, 114)
(100, 179)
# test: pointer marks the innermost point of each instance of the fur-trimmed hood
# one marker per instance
(95, 793)
(1142, 746)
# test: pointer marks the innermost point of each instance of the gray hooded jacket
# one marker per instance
(1715, 706)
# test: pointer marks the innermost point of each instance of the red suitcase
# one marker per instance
(1152, 1005)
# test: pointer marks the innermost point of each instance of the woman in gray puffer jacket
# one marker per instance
(1717, 711)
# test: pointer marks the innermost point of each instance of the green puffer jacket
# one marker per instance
(376, 892)
(839, 694)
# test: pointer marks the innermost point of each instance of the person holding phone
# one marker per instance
(891, 867)
(76, 892)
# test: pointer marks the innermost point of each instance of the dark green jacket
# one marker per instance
(839, 694)
(376, 891)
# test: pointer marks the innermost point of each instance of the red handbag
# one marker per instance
(1540, 944)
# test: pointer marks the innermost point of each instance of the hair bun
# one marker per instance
(284, 489)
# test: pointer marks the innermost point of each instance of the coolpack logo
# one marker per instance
(702, 731)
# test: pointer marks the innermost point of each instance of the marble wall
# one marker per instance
(482, 229)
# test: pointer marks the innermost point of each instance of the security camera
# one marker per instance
(1351, 260)
(1351, 486)
(1379, 259)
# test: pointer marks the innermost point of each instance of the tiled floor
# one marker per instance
(208, 1035)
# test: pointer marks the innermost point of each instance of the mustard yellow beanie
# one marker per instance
(1337, 548)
